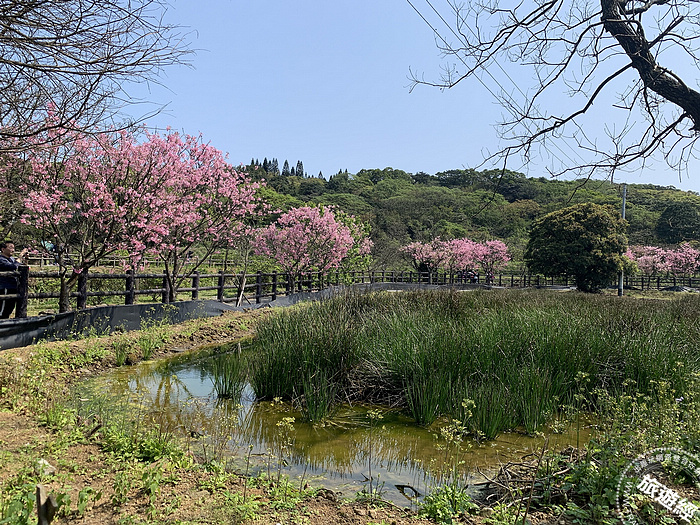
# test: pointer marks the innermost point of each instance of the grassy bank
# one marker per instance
(519, 356)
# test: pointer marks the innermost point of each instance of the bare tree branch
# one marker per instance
(75, 58)
(585, 49)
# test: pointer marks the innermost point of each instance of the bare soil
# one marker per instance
(185, 495)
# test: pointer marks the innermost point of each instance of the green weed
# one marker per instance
(446, 502)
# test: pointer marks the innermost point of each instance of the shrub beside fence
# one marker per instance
(262, 287)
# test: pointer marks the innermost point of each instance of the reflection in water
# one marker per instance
(179, 395)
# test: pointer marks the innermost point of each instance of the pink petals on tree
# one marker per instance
(312, 239)
(94, 195)
(653, 260)
(458, 255)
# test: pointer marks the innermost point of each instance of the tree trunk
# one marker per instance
(172, 292)
(63, 300)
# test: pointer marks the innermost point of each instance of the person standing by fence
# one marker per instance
(9, 283)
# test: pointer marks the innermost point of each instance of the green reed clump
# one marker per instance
(294, 345)
(229, 375)
(516, 354)
(319, 395)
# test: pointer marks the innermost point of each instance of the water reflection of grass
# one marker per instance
(516, 355)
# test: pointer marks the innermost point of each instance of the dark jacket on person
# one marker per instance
(8, 264)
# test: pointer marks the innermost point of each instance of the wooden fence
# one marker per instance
(261, 287)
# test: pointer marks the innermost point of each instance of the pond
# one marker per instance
(342, 454)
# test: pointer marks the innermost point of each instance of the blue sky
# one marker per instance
(327, 83)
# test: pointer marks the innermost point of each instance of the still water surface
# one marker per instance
(179, 395)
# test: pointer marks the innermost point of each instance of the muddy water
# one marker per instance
(342, 455)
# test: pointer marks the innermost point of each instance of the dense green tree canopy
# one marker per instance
(584, 241)
(679, 222)
(482, 205)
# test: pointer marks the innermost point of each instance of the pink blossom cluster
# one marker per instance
(312, 239)
(653, 260)
(95, 195)
(459, 255)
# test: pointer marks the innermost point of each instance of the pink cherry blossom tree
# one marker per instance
(684, 260)
(650, 260)
(429, 256)
(204, 203)
(458, 255)
(463, 255)
(82, 207)
(311, 239)
(491, 256)
(93, 196)
(421, 255)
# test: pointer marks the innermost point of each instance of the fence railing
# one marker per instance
(261, 287)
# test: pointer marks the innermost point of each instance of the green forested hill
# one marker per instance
(403, 207)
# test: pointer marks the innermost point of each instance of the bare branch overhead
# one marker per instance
(75, 58)
(552, 63)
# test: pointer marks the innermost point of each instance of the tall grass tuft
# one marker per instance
(319, 396)
(229, 375)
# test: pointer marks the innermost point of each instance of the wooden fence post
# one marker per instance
(258, 287)
(82, 289)
(22, 291)
(195, 285)
(220, 287)
(274, 286)
(130, 295)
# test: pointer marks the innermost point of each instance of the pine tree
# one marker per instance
(285, 169)
(300, 169)
(274, 167)
(265, 164)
